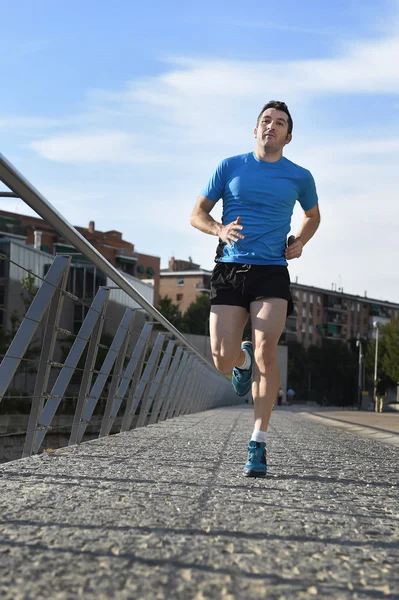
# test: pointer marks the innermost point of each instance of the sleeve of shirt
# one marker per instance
(214, 189)
(308, 196)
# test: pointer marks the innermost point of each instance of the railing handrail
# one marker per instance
(25, 191)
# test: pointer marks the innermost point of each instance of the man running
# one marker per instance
(259, 190)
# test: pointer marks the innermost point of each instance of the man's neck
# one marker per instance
(268, 156)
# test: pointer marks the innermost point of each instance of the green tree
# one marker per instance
(195, 319)
(28, 365)
(388, 352)
(298, 368)
(390, 360)
(170, 311)
(333, 369)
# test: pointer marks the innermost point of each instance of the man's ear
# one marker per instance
(255, 131)
(288, 138)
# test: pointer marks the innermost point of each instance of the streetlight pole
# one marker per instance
(376, 326)
(359, 378)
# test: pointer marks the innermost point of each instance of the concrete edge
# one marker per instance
(356, 429)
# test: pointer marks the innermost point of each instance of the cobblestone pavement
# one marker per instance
(164, 512)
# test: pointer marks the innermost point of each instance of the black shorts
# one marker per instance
(239, 285)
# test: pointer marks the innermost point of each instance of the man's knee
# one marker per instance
(266, 354)
(222, 363)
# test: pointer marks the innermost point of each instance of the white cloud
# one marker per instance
(204, 101)
(90, 147)
(16, 122)
(200, 110)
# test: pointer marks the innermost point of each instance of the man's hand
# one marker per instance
(294, 249)
(230, 233)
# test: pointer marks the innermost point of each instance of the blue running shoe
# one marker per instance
(242, 378)
(256, 465)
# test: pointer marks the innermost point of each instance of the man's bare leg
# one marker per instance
(268, 318)
(226, 328)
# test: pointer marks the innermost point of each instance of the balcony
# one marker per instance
(337, 308)
(126, 255)
(337, 321)
(201, 287)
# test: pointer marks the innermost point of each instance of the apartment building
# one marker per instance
(333, 314)
(36, 233)
(183, 281)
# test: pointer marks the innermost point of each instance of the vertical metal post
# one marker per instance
(88, 372)
(181, 384)
(163, 370)
(136, 368)
(70, 365)
(190, 407)
(165, 398)
(62, 263)
(359, 374)
(102, 376)
(185, 395)
(148, 375)
(30, 323)
(156, 387)
(108, 418)
(377, 328)
(120, 394)
(175, 385)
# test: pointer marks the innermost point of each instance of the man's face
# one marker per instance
(272, 131)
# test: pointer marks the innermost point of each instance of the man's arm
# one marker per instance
(306, 231)
(202, 220)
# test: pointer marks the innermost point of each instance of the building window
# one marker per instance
(179, 297)
(180, 281)
(358, 307)
(2, 305)
(304, 297)
(3, 268)
(80, 312)
(311, 298)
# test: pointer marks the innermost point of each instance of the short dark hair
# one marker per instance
(278, 106)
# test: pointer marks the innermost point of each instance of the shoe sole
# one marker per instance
(254, 474)
(242, 395)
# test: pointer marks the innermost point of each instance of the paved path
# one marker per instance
(163, 512)
(380, 426)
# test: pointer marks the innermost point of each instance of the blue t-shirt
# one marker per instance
(263, 194)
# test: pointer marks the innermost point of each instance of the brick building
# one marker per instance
(119, 252)
(334, 315)
(318, 313)
(183, 281)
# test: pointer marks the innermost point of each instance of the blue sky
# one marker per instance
(119, 113)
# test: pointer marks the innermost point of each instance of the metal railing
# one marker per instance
(115, 364)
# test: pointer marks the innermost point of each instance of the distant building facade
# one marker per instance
(335, 315)
(318, 313)
(32, 243)
(183, 281)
